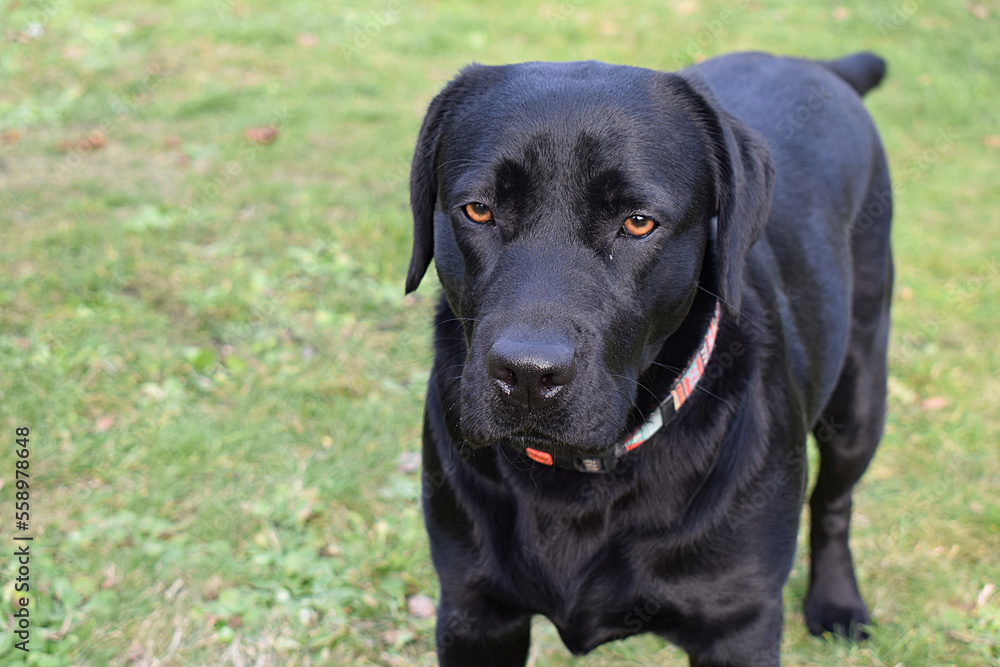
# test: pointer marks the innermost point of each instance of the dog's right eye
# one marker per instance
(478, 212)
(638, 226)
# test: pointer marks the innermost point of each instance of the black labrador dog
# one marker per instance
(655, 285)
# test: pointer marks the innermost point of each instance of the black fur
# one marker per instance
(557, 331)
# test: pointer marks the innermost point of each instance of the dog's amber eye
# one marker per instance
(638, 225)
(478, 212)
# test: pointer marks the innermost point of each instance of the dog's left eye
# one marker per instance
(638, 226)
(478, 212)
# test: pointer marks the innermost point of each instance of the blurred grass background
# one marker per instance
(204, 327)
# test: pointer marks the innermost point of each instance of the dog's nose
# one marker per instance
(530, 373)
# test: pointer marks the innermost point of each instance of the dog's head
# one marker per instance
(569, 207)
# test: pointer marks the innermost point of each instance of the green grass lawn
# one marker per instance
(208, 339)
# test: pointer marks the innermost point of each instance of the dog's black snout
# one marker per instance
(530, 373)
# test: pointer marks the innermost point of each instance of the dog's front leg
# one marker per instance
(757, 644)
(481, 636)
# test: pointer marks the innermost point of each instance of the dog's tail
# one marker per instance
(862, 70)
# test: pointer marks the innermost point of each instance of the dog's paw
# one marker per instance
(849, 621)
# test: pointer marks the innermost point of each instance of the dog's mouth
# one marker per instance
(574, 425)
(528, 443)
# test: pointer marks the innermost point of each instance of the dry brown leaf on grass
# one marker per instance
(408, 462)
(934, 403)
(263, 134)
(135, 652)
(420, 606)
(92, 142)
(73, 52)
(978, 9)
(112, 577)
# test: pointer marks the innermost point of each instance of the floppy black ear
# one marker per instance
(744, 181)
(423, 191)
(423, 176)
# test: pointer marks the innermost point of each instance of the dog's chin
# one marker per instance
(524, 441)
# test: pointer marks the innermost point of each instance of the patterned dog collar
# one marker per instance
(680, 391)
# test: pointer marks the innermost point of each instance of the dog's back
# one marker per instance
(831, 182)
